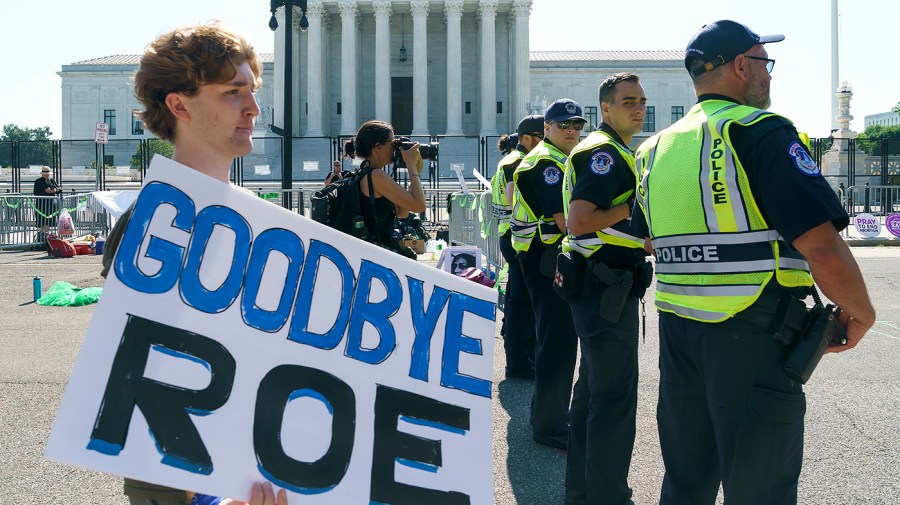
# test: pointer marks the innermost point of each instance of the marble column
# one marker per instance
(348, 66)
(419, 10)
(488, 105)
(521, 62)
(453, 10)
(382, 59)
(314, 69)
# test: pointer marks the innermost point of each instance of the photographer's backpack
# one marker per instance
(337, 204)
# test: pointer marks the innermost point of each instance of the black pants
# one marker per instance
(518, 317)
(554, 353)
(727, 413)
(604, 405)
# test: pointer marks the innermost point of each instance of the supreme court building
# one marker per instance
(429, 67)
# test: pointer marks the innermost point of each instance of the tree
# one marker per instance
(896, 108)
(153, 146)
(876, 137)
(14, 133)
(35, 146)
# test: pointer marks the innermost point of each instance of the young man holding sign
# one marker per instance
(197, 85)
(237, 341)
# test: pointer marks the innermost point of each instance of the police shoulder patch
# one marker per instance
(803, 161)
(601, 163)
(552, 175)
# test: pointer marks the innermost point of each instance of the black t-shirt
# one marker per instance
(41, 185)
(788, 187)
(541, 187)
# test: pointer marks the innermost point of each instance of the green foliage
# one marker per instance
(876, 137)
(896, 108)
(13, 132)
(154, 146)
(35, 146)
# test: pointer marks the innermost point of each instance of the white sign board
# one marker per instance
(101, 133)
(236, 341)
(458, 168)
(867, 225)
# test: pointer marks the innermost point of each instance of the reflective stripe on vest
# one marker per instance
(500, 206)
(715, 252)
(523, 222)
(589, 243)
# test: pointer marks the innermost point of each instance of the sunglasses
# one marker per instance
(565, 125)
(536, 135)
(770, 64)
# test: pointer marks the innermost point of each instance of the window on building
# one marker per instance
(109, 117)
(650, 119)
(590, 114)
(677, 112)
(499, 107)
(339, 108)
(137, 126)
(468, 107)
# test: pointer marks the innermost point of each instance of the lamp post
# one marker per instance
(287, 132)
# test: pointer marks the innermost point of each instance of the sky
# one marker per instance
(37, 39)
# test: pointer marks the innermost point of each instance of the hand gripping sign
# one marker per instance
(236, 341)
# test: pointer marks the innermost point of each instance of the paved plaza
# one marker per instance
(852, 439)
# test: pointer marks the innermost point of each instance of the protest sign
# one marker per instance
(236, 341)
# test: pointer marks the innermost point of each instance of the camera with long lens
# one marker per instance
(428, 151)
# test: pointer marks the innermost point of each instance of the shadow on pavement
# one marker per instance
(536, 473)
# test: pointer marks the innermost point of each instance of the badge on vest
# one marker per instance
(804, 162)
(551, 175)
(601, 163)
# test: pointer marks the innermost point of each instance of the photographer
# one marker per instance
(374, 143)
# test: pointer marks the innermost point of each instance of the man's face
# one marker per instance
(625, 108)
(757, 93)
(222, 116)
(564, 138)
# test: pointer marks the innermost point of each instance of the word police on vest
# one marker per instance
(684, 254)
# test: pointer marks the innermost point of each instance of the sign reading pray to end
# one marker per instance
(237, 341)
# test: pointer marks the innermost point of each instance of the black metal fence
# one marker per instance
(82, 165)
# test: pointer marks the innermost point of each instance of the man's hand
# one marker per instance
(260, 494)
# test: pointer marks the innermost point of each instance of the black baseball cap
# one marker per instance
(531, 124)
(512, 141)
(563, 110)
(720, 42)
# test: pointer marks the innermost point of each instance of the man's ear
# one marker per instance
(177, 104)
(604, 109)
(741, 67)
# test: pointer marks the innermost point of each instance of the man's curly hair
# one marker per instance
(183, 60)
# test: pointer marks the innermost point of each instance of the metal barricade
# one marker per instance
(875, 200)
(472, 223)
(22, 215)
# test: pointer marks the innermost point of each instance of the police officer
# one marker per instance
(598, 195)
(741, 222)
(518, 328)
(537, 225)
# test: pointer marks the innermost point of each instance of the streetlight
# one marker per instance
(287, 132)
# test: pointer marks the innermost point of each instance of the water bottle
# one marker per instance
(359, 228)
(38, 287)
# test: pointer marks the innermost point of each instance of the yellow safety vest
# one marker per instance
(714, 250)
(524, 223)
(588, 244)
(499, 202)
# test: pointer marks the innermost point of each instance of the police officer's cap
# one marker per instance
(720, 42)
(512, 141)
(563, 110)
(531, 124)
